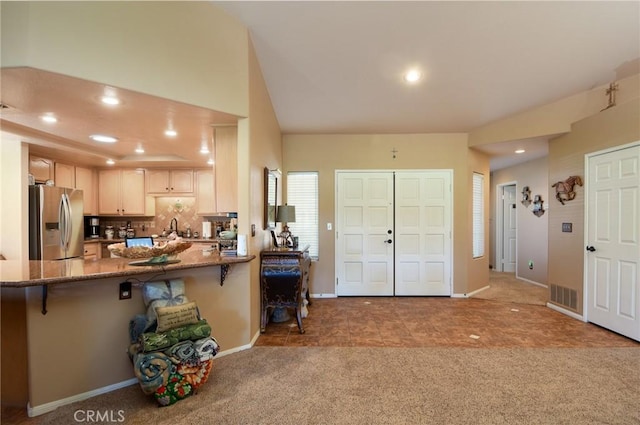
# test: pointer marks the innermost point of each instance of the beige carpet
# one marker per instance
(506, 287)
(324, 385)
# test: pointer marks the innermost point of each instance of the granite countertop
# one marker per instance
(117, 240)
(20, 274)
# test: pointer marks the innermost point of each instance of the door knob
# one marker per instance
(389, 231)
(388, 241)
(590, 248)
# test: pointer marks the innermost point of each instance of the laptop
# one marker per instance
(141, 241)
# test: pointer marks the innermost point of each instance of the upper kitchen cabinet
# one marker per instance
(226, 168)
(205, 192)
(177, 181)
(86, 181)
(65, 175)
(41, 168)
(122, 192)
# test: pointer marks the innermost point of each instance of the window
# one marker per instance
(478, 215)
(302, 192)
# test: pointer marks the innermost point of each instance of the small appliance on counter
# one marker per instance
(92, 227)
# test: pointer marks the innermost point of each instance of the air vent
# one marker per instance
(566, 297)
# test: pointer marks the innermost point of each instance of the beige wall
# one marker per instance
(326, 153)
(477, 270)
(613, 127)
(191, 52)
(265, 150)
(556, 117)
(531, 230)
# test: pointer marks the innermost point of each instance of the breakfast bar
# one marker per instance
(78, 348)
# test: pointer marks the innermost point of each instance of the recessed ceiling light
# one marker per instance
(49, 118)
(103, 139)
(210, 161)
(204, 149)
(110, 161)
(110, 100)
(520, 151)
(413, 76)
(171, 133)
(139, 149)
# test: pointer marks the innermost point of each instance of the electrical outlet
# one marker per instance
(125, 290)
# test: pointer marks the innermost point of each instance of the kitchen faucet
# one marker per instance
(171, 228)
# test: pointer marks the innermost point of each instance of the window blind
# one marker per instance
(302, 192)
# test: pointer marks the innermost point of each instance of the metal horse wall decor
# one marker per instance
(564, 190)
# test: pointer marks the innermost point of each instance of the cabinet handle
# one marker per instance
(171, 188)
(166, 188)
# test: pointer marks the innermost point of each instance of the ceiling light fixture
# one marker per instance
(103, 139)
(110, 100)
(412, 76)
(520, 151)
(49, 118)
(210, 161)
(204, 149)
(171, 133)
(139, 149)
(110, 161)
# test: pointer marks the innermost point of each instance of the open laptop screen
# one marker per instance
(142, 241)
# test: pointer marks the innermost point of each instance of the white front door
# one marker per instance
(364, 244)
(379, 254)
(612, 279)
(423, 233)
(508, 257)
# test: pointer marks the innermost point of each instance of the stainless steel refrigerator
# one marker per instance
(56, 224)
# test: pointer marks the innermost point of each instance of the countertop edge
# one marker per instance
(128, 271)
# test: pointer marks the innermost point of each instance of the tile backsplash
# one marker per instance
(167, 208)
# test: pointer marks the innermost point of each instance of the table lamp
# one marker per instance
(286, 214)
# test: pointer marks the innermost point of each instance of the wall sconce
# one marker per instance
(526, 196)
(538, 206)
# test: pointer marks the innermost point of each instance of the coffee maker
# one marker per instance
(92, 227)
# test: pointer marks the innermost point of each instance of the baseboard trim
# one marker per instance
(322, 295)
(565, 311)
(533, 282)
(470, 294)
(53, 405)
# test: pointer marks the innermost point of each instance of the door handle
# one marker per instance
(388, 241)
(590, 248)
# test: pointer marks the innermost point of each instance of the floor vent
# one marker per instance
(564, 296)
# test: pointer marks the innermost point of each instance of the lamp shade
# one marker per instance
(286, 214)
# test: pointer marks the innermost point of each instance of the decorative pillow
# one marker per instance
(178, 315)
(162, 294)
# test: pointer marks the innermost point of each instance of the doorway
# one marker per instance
(506, 228)
(394, 233)
(612, 255)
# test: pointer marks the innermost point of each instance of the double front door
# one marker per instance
(394, 233)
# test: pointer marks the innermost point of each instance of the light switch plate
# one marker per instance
(567, 227)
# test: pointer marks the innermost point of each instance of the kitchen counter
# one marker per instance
(116, 240)
(20, 274)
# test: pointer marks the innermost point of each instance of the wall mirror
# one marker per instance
(270, 198)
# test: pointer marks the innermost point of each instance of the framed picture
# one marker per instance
(270, 198)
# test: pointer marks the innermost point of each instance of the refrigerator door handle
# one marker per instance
(62, 221)
(66, 221)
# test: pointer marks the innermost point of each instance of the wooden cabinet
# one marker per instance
(170, 181)
(65, 175)
(205, 192)
(41, 168)
(226, 169)
(92, 251)
(122, 192)
(86, 181)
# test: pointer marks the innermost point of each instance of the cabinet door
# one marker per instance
(65, 175)
(181, 181)
(205, 192)
(41, 169)
(158, 181)
(132, 192)
(86, 182)
(109, 192)
(226, 169)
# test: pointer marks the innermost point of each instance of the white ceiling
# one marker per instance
(336, 67)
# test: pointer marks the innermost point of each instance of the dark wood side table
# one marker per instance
(284, 281)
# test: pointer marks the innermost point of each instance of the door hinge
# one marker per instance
(337, 281)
